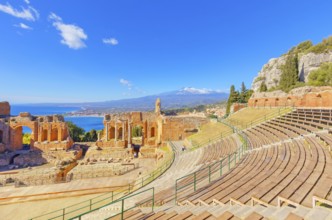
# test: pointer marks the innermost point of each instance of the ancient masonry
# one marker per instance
(51, 132)
(156, 128)
(299, 97)
(47, 132)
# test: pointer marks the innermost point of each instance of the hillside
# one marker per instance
(302, 59)
(183, 98)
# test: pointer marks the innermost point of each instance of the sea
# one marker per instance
(86, 122)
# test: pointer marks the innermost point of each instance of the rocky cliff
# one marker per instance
(271, 73)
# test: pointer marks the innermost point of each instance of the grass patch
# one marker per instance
(209, 132)
(166, 149)
(251, 116)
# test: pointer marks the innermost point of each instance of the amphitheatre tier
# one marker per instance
(271, 162)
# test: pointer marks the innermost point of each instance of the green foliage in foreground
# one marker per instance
(137, 131)
(321, 76)
(75, 131)
(79, 135)
(26, 138)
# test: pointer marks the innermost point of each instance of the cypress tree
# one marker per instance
(242, 97)
(289, 76)
(231, 99)
(263, 87)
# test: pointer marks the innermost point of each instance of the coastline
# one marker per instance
(85, 116)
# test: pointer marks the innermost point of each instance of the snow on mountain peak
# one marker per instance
(192, 90)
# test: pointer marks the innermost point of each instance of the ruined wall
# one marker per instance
(237, 106)
(118, 129)
(4, 135)
(299, 97)
(46, 131)
(156, 128)
(179, 127)
(4, 109)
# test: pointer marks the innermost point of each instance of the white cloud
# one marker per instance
(73, 36)
(125, 83)
(27, 1)
(23, 26)
(54, 17)
(29, 13)
(111, 41)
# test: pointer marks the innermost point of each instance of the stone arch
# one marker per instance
(152, 132)
(266, 101)
(54, 134)
(256, 102)
(289, 101)
(120, 133)
(137, 131)
(16, 136)
(319, 100)
(111, 133)
(44, 134)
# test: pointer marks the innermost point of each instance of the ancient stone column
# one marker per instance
(60, 130)
(49, 132)
(116, 133)
(123, 131)
(129, 135)
(40, 131)
(99, 136)
(107, 132)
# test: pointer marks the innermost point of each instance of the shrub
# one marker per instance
(321, 76)
(263, 87)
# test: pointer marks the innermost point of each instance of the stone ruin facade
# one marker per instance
(52, 146)
(47, 132)
(156, 128)
(300, 97)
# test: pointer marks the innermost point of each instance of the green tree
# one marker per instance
(233, 97)
(86, 137)
(75, 132)
(137, 131)
(263, 87)
(248, 95)
(243, 93)
(321, 76)
(93, 135)
(289, 76)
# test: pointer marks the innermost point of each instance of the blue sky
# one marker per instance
(83, 50)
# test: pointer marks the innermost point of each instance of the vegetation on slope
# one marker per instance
(308, 47)
(321, 76)
(289, 78)
(210, 131)
(251, 116)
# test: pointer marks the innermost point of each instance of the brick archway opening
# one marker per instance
(23, 137)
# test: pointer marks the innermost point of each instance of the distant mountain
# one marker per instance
(185, 97)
